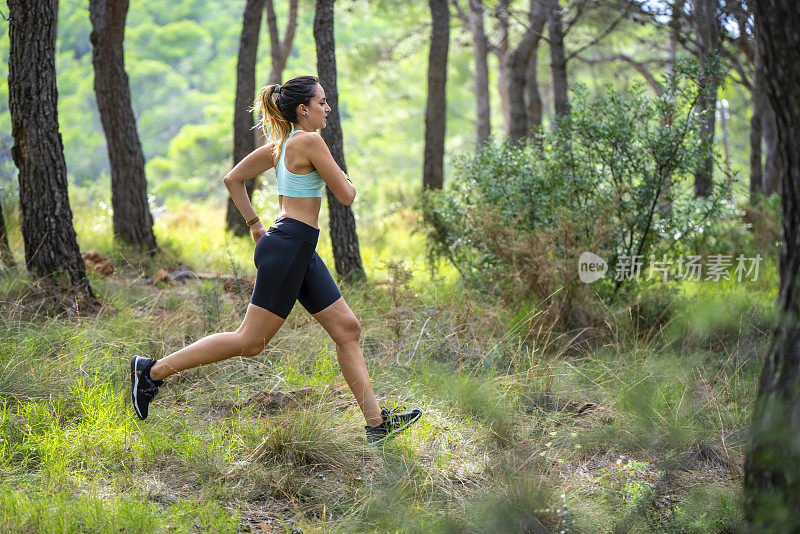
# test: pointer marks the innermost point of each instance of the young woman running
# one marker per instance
(289, 269)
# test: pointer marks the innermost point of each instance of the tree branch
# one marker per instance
(639, 66)
(291, 26)
(579, 6)
(272, 25)
(737, 66)
(460, 13)
(599, 37)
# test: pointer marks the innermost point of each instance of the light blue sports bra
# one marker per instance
(297, 185)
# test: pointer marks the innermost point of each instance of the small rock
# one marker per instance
(97, 262)
(182, 274)
(161, 276)
(238, 284)
(271, 400)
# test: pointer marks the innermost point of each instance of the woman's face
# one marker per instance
(318, 110)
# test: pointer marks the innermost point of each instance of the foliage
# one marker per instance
(518, 216)
(181, 62)
(512, 412)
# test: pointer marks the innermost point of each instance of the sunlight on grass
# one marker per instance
(522, 425)
(64, 512)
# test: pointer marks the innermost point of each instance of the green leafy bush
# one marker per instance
(614, 177)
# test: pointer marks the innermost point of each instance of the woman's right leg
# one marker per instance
(257, 328)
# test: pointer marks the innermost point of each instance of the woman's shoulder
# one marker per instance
(307, 142)
(306, 137)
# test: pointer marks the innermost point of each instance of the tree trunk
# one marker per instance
(244, 137)
(674, 33)
(51, 247)
(501, 51)
(6, 257)
(665, 196)
(132, 220)
(533, 99)
(518, 67)
(769, 130)
(772, 463)
(757, 101)
(558, 61)
(483, 126)
(436, 108)
(279, 51)
(708, 36)
(723, 125)
(346, 252)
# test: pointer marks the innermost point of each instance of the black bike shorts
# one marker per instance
(289, 269)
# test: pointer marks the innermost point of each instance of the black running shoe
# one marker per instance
(143, 388)
(393, 424)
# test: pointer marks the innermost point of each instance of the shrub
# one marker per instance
(614, 177)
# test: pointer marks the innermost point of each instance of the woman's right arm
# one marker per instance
(257, 162)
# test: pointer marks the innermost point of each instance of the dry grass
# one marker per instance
(525, 427)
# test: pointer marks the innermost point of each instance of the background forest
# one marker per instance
(181, 60)
(551, 405)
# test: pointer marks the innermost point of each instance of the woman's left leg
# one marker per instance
(341, 324)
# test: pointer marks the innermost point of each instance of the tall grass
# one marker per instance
(641, 426)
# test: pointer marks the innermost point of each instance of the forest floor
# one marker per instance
(642, 428)
(520, 425)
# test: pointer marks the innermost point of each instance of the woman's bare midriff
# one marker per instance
(303, 209)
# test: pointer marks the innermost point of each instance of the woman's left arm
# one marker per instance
(334, 177)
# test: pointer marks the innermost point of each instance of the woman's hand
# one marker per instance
(257, 230)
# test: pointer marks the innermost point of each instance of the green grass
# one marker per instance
(646, 427)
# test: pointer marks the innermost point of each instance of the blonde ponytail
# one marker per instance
(272, 123)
